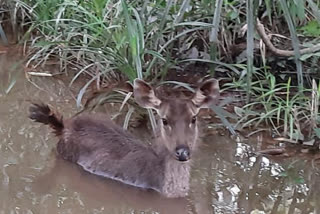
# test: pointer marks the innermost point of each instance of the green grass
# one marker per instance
(282, 107)
(105, 33)
(105, 39)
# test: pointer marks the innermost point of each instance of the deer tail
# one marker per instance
(41, 113)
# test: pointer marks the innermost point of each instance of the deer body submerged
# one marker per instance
(103, 148)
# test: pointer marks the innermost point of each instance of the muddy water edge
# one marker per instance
(227, 177)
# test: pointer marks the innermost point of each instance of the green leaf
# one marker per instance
(307, 56)
(299, 180)
(312, 28)
(233, 15)
(300, 9)
(317, 131)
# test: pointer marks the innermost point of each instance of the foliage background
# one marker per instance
(185, 40)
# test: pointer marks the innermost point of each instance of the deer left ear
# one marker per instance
(145, 95)
(207, 94)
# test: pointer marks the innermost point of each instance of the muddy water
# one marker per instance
(226, 178)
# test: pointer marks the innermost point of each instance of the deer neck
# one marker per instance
(176, 173)
(176, 178)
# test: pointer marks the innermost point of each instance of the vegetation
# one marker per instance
(112, 39)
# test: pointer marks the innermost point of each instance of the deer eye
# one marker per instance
(194, 119)
(164, 121)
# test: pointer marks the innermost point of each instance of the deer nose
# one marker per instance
(183, 153)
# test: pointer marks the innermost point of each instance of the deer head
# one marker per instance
(178, 123)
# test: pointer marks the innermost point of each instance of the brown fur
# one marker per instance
(42, 113)
(103, 148)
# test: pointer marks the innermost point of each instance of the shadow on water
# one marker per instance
(226, 178)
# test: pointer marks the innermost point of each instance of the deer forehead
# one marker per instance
(178, 109)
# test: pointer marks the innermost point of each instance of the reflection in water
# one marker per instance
(227, 176)
(243, 183)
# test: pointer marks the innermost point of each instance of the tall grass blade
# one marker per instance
(127, 97)
(148, 72)
(269, 9)
(135, 50)
(315, 9)
(152, 121)
(182, 84)
(11, 84)
(83, 90)
(14, 73)
(3, 35)
(163, 22)
(213, 38)
(184, 6)
(250, 46)
(229, 66)
(197, 24)
(221, 114)
(127, 118)
(295, 43)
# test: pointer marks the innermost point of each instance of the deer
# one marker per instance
(101, 147)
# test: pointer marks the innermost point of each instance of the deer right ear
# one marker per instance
(144, 95)
(207, 94)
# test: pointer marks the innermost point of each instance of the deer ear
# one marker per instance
(207, 94)
(144, 95)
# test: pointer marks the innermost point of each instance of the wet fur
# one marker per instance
(41, 113)
(103, 148)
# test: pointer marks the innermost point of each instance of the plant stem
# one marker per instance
(213, 38)
(250, 46)
(295, 43)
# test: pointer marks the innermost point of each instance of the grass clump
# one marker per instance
(112, 39)
(108, 36)
(288, 112)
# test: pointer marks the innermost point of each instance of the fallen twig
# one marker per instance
(273, 151)
(265, 38)
(39, 74)
(285, 140)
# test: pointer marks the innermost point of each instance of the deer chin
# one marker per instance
(182, 161)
